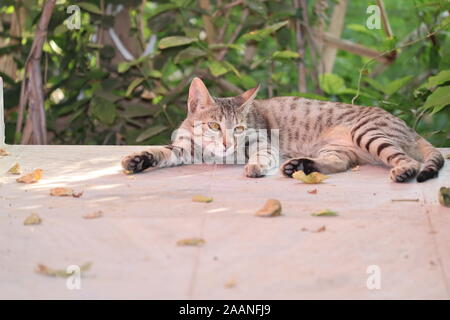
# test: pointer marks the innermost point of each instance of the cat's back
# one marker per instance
(286, 111)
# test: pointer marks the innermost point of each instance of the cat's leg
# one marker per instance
(387, 149)
(155, 156)
(329, 159)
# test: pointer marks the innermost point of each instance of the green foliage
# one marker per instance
(94, 96)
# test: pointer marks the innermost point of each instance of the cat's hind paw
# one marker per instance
(297, 164)
(138, 162)
(403, 173)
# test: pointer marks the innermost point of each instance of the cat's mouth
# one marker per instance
(218, 151)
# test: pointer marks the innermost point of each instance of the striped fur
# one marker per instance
(314, 136)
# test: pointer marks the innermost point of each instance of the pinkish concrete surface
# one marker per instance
(133, 246)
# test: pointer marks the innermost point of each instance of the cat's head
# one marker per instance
(222, 120)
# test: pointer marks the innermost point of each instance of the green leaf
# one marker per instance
(439, 98)
(441, 78)
(133, 86)
(155, 74)
(107, 95)
(393, 86)
(215, 46)
(259, 35)
(331, 83)
(123, 67)
(189, 53)
(257, 62)
(229, 66)
(104, 110)
(150, 132)
(375, 84)
(175, 41)
(217, 68)
(92, 8)
(286, 54)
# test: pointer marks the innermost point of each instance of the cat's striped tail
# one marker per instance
(433, 160)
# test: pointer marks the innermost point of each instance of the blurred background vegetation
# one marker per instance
(123, 76)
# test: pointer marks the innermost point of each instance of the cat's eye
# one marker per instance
(214, 126)
(239, 129)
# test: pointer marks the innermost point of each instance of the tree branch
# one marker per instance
(32, 90)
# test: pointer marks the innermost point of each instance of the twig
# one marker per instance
(235, 34)
(220, 81)
(300, 40)
(404, 200)
(384, 19)
(209, 27)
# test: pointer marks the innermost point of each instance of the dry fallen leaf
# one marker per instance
(325, 213)
(231, 283)
(448, 156)
(3, 152)
(271, 208)
(64, 192)
(32, 177)
(61, 192)
(15, 169)
(312, 178)
(202, 199)
(191, 242)
(313, 191)
(77, 195)
(355, 168)
(93, 215)
(32, 220)
(444, 196)
(46, 271)
(321, 229)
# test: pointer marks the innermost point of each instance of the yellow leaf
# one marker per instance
(272, 208)
(444, 196)
(32, 177)
(15, 169)
(202, 199)
(191, 242)
(325, 213)
(312, 178)
(231, 283)
(32, 219)
(46, 271)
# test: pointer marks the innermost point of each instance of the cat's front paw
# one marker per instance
(254, 170)
(138, 162)
(297, 164)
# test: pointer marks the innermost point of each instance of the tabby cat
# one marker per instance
(321, 136)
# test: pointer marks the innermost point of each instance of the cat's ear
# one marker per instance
(245, 99)
(199, 97)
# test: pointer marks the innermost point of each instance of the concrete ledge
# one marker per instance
(133, 246)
